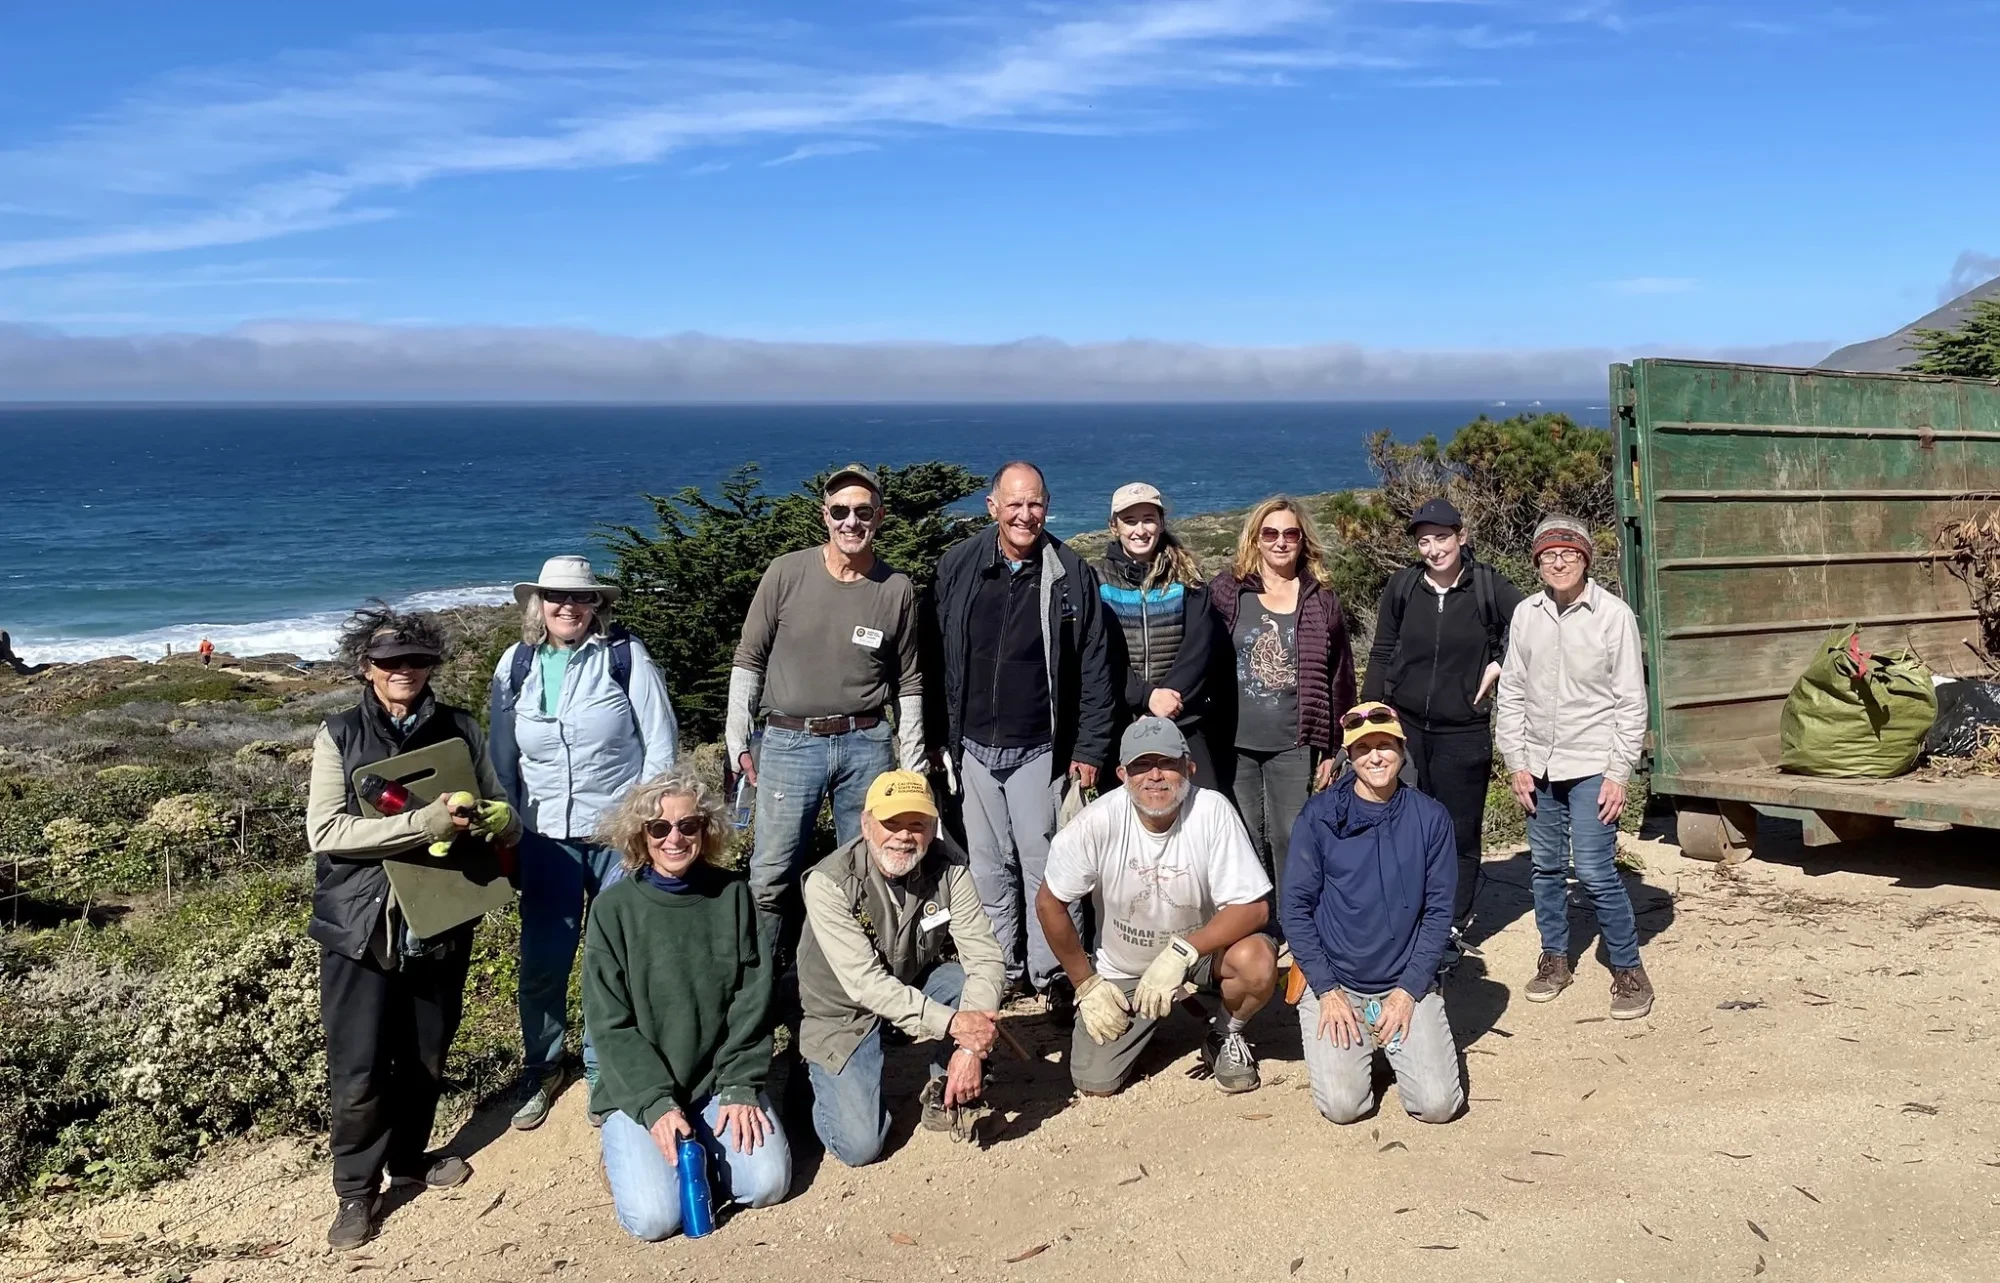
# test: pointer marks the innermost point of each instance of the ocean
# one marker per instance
(124, 530)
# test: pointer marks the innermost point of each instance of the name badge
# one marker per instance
(934, 919)
(869, 637)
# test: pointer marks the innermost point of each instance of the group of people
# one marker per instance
(1112, 782)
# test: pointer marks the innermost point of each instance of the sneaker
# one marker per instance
(538, 1096)
(1552, 976)
(447, 1171)
(597, 1116)
(1631, 993)
(962, 1121)
(1228, 1057)
(354, 1223)
(1062, 1001)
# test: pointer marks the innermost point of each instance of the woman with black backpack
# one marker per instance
(1440, 634)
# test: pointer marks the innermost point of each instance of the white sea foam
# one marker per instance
(307, 636)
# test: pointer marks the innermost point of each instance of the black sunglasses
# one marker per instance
(861, 512)
(397, 663)
(1372, 717)
(690, 826)
(571, 599)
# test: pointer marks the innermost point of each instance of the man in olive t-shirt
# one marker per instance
(831, 637)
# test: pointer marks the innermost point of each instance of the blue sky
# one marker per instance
(1409, 175)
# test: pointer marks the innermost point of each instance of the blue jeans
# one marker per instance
(1565, 824)
(558, 878)
(848, 1112)
(795, 773)
(646, 1191)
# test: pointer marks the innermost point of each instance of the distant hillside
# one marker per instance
(1889, 354)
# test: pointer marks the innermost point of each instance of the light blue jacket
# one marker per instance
(565, 773)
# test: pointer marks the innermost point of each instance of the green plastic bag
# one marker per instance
(1856, 715)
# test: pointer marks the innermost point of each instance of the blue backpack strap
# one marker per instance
(621, 657)
(517, 675)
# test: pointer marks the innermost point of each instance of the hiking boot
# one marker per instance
(1552, 976)
(1228, 1057)
(597, 1116)
(354, 1223)
(962, 1121)
(1631, 993)
(1062, 1002)
(447, 1171)
(538, 1096)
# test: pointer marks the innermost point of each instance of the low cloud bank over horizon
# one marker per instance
(316, 361)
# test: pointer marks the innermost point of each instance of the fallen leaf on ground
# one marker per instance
(1481, 1215)
(1726, 1154)
(1808, 1193)
(1034, 1251)
(1255, 1118)
(1394, 1144)
(1870, 1157)
(1740, 1004)
(1593, 1020)
(1437, 1247)
(1297, 1261)
(1758, 1230)
(1918, 1107)
(1760, 1264)
(1498, 1030)
(1587, 1095)
(1546, 1153)
(1810, 994)
(1518, 1180)
(901, 1239)
(1132, 1180)
(490, 1206)
(1399, 1211)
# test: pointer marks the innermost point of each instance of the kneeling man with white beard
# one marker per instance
(883, 913)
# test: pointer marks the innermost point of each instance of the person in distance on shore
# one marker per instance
(1570, 721)
(1020, 698)
(1440, 634)
(1294, 671)
(1161, 631)
(579, 715)
(831, 637)
(884, 916)
(389, 1000)
(1181, 900)
(677, 990)
(1367, 907)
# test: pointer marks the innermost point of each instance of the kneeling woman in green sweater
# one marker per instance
(677, 995)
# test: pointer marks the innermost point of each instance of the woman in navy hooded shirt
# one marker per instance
(1366, 904)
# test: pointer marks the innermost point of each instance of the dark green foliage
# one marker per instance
(172, 688)
(1503, 476)
(1972, 351)
(689, 584)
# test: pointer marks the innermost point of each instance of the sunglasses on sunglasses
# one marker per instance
(1273, 535)
(689, 826)
(1366, 717)
(861, 512)
(397, 663)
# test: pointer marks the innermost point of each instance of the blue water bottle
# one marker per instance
(697, 1204)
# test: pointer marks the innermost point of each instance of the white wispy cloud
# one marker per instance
(1656, 285)
(810, 151)
(348, 361)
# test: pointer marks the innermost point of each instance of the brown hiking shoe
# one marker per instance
(1552, 976)
(1631, 993)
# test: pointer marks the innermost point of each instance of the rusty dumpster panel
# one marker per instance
(1762, 507)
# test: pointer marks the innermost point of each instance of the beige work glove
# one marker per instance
(1161, 984)
(1103, 1011)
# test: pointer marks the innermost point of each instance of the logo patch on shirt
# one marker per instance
(934, 916)
(869, 637)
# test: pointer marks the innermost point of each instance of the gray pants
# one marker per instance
(1008, 823)
(1271, 789)
(1426, 1064)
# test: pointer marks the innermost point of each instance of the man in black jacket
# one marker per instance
(1021, 700)
(1440, 634)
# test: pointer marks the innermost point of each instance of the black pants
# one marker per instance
(1455, 767)
(1270, 790)
(387, 1033)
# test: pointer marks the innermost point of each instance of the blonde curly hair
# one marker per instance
(625, 830)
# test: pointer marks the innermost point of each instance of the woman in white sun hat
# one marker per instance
(579, 715)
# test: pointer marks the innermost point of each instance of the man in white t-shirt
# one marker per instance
(1181, 902)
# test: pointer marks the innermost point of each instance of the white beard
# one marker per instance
(1162, 812)
(894, 864)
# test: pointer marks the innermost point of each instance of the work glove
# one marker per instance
(492, 820)
(1103, 1011)
(437, 822)
(1161, 985)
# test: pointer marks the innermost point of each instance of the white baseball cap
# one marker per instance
(1134, 493)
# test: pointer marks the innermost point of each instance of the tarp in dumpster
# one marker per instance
(1968, 716)
(1854, 714)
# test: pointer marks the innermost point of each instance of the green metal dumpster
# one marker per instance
(1761, 507)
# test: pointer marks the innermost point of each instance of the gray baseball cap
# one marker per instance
(853, 474)
(1151, 737)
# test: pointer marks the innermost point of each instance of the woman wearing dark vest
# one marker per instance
(1294, 671)
(389, 1000)
(1440, 634)
(1162, 630)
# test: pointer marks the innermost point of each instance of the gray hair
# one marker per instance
(625, 829)
(378, 616)
(535, 629)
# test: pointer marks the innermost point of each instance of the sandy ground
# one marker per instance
(1844, 1126)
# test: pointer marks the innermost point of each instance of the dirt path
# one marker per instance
(1844, 1126)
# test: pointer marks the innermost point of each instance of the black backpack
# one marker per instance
(1482, 592)
(621, 662)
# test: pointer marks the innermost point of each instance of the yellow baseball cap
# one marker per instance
(1372, 718)
(899, 793)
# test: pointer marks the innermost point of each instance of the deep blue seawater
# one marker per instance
(123, 530)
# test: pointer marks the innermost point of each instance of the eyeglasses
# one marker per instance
(559, 598)
(1560, 557)
(1273, 535)
(397, 663)
(861, 512)
(1366, 717)
(688, 826)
